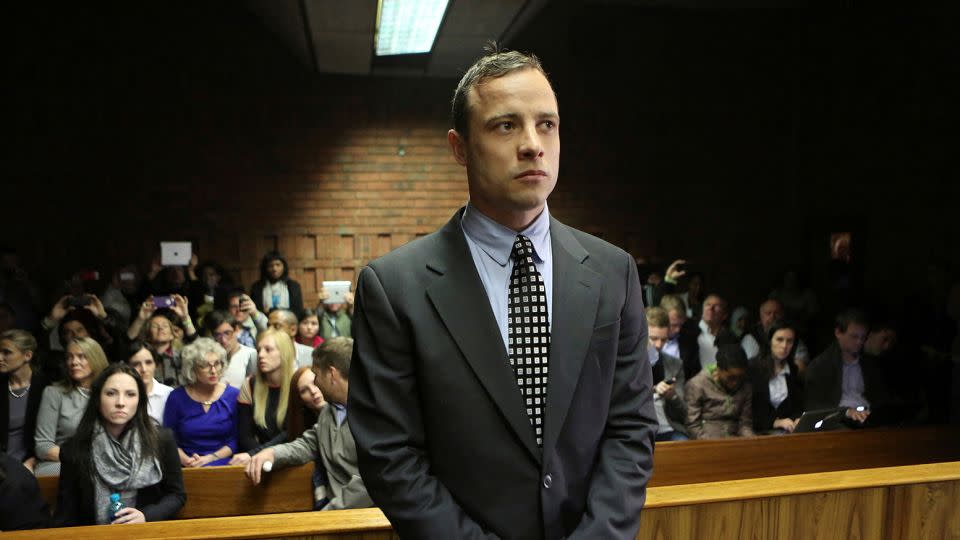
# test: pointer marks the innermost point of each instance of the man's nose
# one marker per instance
(530, 146)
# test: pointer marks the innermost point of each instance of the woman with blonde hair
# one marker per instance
(21, 402)
(265, 396)
(63, 404)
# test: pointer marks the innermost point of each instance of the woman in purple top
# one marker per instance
(203, 412)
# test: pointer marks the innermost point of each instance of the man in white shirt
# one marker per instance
(713, 329)
(284, 320)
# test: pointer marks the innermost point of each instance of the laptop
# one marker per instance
(819, 420)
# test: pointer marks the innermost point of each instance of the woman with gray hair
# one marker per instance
(203, 412)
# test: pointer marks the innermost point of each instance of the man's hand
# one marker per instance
(322, 295)
(155, 268)
(665, 390)
(674, 273)
(255, 465)
(859, 416)
(60, 309)
(240, 459)
(786, 424)
(247, 305)
(95, 306)
(348, 299)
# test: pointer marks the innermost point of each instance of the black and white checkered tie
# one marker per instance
(528, 332)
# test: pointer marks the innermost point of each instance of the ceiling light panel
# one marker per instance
(408, 26)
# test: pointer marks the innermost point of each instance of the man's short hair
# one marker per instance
(334, 352)
(494, 64)
(851, 316)
(657, 317)
(731, 357)
(673, 302)
(214, 319)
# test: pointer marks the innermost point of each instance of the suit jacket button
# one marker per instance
(547, 481)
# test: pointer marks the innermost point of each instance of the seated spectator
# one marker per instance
(305, 402)
(241, 360)
(668, 380)
(21, 503)
(682, 337)
(285, 321)
(335, 318)
(777, 387)
(252, 321)
(164, 280)
(302, 413)
(842, 376)
(158, 328)
(275, 289)
(63, 403)
(308, 331)
(718, 398)
(142, 357)
(329, 439)
(713, 329)
(754, 342)
(739, 321)
(119, 449)
(21, 403)
(203, 412)
(263, 401)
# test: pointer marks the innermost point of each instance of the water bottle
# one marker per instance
(116, 505)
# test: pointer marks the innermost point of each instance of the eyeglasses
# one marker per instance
(207, 366)
(221, 335)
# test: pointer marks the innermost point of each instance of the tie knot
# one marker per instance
(522, 248)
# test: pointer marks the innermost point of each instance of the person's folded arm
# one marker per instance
(625, 460)
(174, 495)
(386, 423)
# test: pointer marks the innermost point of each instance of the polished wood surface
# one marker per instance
(366, 524)
(777, 486)
(758, 457)
(913, 502)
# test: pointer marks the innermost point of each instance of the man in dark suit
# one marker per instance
(480, 408)
(844, 377)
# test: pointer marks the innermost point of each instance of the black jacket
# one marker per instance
(21, 506)
(293, 288)
(763, 412)
(75, 504)
(823, 383)
(37, 383)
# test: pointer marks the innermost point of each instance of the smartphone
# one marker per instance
(672, 381)
(127, 276)
(163, 302)
(89, 275)
(78, 301)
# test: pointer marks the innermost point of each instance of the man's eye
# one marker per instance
(505, 126)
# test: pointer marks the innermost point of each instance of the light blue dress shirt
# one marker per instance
(490, 245)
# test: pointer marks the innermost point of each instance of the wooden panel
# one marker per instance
(924, 511)
(856, 514)
(729, 520)
(346, 245)
(226, 491)
(696, 461)
(382, 245)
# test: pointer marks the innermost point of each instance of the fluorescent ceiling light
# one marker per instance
(408, 26)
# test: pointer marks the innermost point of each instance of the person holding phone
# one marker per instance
(668, 380)
(335, 317)
(251, 320)
(159, 321)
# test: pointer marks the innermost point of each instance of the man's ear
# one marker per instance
(458, 145)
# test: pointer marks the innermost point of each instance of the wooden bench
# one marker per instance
(226, 491)
(904, 502)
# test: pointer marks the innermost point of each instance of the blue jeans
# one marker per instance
(672, 436)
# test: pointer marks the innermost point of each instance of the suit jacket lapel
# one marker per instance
(576, 296)
(461, 301)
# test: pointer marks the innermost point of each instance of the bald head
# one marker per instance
(771, 311)
(284, 320)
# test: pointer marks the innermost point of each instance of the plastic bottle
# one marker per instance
(116, 505)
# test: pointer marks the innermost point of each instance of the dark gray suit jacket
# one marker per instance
(444, 443)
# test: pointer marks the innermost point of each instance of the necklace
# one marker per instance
(23, 391)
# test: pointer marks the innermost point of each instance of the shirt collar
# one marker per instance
(496, 240)
(785, 371)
